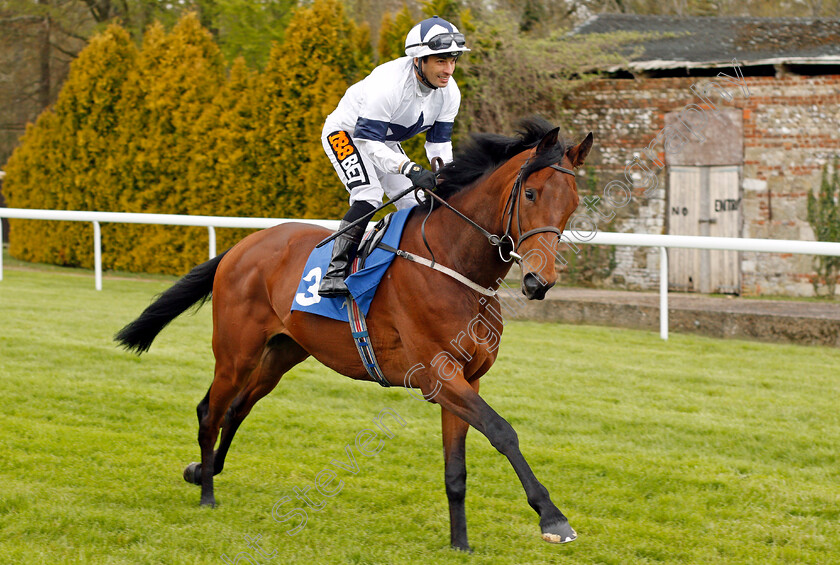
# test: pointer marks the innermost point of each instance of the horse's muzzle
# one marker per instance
(533, 287)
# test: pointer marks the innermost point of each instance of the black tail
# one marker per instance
(194, 288)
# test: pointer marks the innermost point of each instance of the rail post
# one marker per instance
(663, 293)
(211, 232)
(97, 254)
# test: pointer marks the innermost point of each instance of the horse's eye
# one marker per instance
(530, 194)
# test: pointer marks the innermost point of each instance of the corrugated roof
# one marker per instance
(705, 41)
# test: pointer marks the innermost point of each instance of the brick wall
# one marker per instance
(791, 129)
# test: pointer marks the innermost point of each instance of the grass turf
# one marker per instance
(693, 450)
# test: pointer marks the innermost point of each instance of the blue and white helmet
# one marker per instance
(434, 36)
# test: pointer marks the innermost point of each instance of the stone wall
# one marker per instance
(791, 130)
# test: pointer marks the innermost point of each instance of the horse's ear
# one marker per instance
(548, 141)
(577, 154)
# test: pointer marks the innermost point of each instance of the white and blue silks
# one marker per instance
(387, 107)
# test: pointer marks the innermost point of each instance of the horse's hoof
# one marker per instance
(209, 502)
(560, 532)
(192, 474)
(459, 547)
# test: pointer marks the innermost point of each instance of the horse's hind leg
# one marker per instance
(280, 355)
(221, 394)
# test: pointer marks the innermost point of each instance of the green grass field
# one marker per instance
(692, 451)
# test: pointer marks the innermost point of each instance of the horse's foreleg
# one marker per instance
(458, 397)
(455, 474)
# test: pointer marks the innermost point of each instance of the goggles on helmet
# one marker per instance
(442, 41)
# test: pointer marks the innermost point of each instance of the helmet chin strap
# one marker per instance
(419, 70)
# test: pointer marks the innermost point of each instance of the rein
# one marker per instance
(512, 206)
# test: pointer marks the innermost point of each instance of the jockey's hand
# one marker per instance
(420, 177)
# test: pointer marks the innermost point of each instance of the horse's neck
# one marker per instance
(466, 249)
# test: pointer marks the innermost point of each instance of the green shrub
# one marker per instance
(824, 217)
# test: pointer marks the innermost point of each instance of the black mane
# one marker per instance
(484, 152)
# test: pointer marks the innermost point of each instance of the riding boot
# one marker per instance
(344, 251)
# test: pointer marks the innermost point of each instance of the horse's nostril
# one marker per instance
(534, 287)
(531, 284)
(530, 281)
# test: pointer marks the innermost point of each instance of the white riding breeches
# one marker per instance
(361, 178)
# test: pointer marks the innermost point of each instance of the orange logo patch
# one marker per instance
(340, 144)
(349, 159)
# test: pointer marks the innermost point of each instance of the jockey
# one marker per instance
(395, 102)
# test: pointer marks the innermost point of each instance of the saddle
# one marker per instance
(371, 241)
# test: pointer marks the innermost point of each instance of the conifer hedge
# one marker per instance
(166, 128)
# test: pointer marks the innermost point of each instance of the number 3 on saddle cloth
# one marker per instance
(368, 269)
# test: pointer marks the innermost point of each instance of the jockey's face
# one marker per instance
(437, 69)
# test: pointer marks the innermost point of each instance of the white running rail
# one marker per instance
(663, 242)
(96, 218)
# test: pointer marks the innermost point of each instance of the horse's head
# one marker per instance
(540, 207)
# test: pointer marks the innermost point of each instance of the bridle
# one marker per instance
(512, 208)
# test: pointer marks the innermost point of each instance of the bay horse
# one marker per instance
(508, 189)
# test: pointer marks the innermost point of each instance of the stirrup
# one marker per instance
(332, 287)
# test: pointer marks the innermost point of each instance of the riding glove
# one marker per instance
(421, 177)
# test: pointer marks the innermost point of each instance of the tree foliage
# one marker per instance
(324, 52)
(824, 217)
(392, 34)
(508, 72)
(67, 158)
(166, 129)
(247, 29)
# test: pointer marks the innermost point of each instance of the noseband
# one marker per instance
(512, 208)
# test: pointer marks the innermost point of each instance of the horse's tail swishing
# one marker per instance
(194, 288)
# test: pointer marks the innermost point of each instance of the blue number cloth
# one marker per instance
(362, 284)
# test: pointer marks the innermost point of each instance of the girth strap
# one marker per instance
(361, 337)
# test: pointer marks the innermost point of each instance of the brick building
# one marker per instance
(690, 142)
